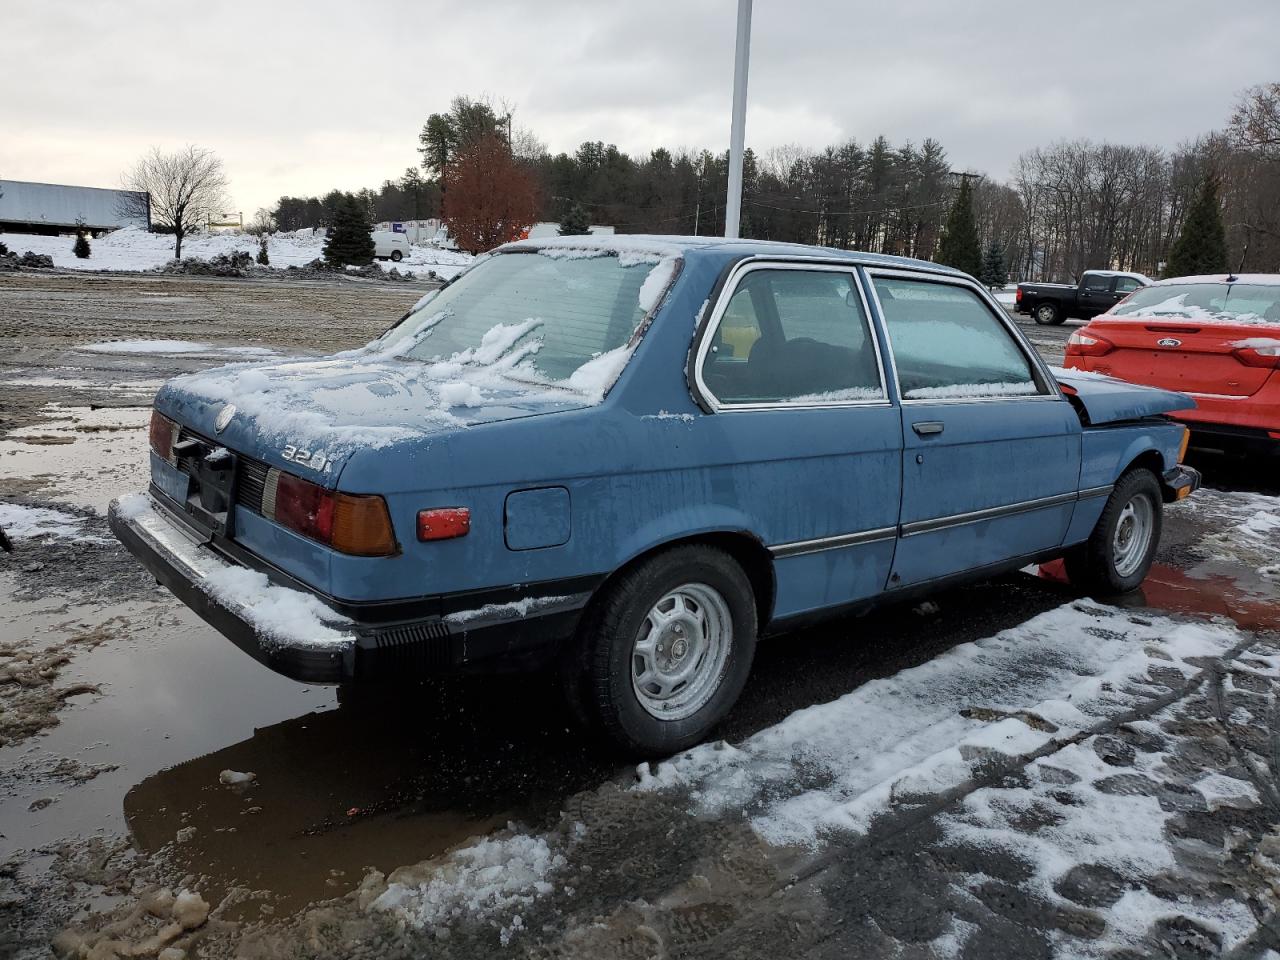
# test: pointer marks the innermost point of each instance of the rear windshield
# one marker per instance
(542, 315)
(1205, 302)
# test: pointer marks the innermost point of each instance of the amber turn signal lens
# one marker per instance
(1182, 448)
(163, 432)
(362, 526)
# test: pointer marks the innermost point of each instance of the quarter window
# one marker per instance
(948, 344)
(798, 336)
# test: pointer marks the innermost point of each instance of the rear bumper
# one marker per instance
(345, 641)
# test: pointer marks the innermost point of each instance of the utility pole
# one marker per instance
(737, 134)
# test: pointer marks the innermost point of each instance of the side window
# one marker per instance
(948, 344)
(1127, 284)
(793, 335)
(1096, 283)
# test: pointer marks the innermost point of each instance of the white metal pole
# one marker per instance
(737, 136)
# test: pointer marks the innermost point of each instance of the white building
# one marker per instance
(52, 208)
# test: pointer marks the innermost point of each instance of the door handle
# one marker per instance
(927, 427)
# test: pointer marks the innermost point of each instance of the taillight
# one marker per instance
(355, 524)
(1260, 356)
(444, 523)
(163, 434)
(1083, 344)
(1017, 297)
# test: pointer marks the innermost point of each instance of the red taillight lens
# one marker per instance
(163, 433)
(1266, 355)
(305, 507)
(1017, 297)
(1081, 344)
(444, 523)
(350, 523)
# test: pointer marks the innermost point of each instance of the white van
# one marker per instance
(387, 244)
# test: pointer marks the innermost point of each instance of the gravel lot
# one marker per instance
(120, 712)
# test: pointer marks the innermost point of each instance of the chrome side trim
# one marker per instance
(798, 547)
(1102, 491)
(991, 513)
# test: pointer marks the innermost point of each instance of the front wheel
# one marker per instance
(664, 653)
(397, 256)
(1048, 315)
(1118, 554)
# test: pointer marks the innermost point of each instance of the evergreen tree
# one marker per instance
(263, 259)
(1201, 247)
(575, 222)
(960, 247)
(81, 247)
(349, 241)
(994, 272)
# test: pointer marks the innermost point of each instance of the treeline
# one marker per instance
(1067, 207)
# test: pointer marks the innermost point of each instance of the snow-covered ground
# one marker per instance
(133, 249)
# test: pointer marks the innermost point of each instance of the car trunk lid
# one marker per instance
(1185, 355)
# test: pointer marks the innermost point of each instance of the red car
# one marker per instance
(1216, 338)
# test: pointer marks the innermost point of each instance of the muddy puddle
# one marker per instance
(79, 454)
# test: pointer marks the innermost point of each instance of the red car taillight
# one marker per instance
(1081, 344)
(350, 523)
(163, 434)
(1259, 356)
(1017, 296)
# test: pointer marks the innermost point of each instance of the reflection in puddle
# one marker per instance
(1209, 589)
(398, 776)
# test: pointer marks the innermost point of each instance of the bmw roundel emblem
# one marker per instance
(1163, 342)
(224, 417)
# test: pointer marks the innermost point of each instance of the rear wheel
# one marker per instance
(1048, 314)
(397, 256)
(664, 653)
(1118, 554)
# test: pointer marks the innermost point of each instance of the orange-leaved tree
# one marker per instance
(489, 197)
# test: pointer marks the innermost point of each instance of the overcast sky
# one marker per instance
(299, 96)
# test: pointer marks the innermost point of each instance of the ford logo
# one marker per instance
(229, 411)
(1165, 342)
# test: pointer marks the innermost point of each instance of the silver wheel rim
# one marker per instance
(1133, 533)
(678, 658)
(1045, 314)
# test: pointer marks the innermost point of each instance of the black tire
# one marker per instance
(597, 674)
(396, 256)
(1047, 314)
(1092, 566)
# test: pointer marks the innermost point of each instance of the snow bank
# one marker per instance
(919, 731)
(134, 249)
(29, 523)
(475, 881)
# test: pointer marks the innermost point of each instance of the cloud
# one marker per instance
(299, 97)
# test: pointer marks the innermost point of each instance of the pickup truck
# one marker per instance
(1099, 291)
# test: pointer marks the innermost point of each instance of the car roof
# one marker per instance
(674, 246)
(1263, 279)
(1122, 273)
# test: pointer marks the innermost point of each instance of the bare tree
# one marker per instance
(185, 187)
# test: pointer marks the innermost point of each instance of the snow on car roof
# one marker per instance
(662, 245)
(1263, 279)
(1122, 273)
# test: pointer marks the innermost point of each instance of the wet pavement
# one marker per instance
(127, 710)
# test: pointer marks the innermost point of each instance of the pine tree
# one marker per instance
(959, 247)
(81, 247)
(994, 272)
(575, 222)
(1201, 247)
(263, 259)
(349, 241)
